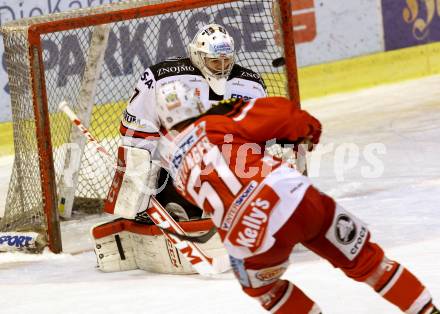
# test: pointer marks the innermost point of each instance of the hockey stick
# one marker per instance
(202, 263)
(203, 238)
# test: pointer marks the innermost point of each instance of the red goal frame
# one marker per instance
(40, 103)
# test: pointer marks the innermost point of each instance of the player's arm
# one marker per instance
(253, 84)
(277, 118)
(140, 124)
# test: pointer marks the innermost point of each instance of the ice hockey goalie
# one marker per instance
(212, 71)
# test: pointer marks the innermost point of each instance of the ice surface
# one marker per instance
(401, 205)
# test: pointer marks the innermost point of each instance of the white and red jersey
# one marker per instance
(140, 123)
(218, 163)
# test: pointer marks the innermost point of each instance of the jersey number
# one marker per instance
(213, 159)
(135, 94)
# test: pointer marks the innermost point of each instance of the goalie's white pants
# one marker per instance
(123, 244)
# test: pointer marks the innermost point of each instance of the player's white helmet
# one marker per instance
(176, 102)
(212, 52)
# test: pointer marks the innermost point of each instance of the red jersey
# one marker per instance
(219, 164)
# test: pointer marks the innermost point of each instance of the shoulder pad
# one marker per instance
(172, 67)
(246, 74)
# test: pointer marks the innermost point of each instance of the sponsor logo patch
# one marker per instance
(265, 276)
(222, 48)
(236, 205)
(172, 101)
(345, 230)
(245, 74)
(244, 97)
(347, 233)
(197, 92)
(175, 70)
(132, 120)
(172, 253)
(186, 153)
(250, 228)
(195, 80)
(10, 241)
(269, 274)
(295, 188)
(181, 151)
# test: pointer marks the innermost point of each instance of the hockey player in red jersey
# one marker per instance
(262, 207)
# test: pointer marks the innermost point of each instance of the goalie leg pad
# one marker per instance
(113, 247)
(144, 247)
(155, 253)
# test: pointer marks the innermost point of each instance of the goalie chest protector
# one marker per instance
(241, 83)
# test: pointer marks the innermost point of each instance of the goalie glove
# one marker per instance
(133, 183)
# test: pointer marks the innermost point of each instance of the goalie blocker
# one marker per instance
(123, 244)
(133, 183)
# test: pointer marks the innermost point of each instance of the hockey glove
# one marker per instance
(312, 136)
(315, 130)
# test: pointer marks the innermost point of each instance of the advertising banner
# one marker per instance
(134, 46)
(337, 30)
(17, 9)
(410, 22)
(325, 31)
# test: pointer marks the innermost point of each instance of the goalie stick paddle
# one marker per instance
(202, 263)
(161, 218)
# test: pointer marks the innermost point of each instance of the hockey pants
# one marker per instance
(338, 236)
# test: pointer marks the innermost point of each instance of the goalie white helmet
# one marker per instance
(176, 102)
(212, 52)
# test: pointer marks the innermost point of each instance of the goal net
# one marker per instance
(92, 58)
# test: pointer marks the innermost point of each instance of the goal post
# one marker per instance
(50, 59)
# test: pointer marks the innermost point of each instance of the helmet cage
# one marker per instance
(222, 59)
